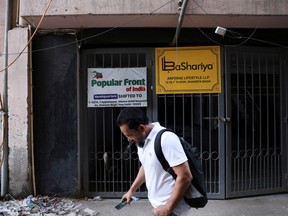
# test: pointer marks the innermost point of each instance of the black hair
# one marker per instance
(133, 117)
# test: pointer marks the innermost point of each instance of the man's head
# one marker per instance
(133, 124)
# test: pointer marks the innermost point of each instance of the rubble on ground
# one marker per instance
(43, 206)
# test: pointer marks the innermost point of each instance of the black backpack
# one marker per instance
(196, 197)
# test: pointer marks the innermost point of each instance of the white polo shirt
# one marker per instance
(160, 183)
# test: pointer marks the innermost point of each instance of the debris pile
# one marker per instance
(43, 206)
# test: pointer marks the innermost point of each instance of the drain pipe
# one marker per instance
(30, 96)
(4, 167)
(182, 7)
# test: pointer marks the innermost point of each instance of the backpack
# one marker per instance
(196, 196)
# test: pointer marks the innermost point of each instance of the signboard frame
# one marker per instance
(188, 70)
(117, 87)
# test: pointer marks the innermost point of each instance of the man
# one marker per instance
(164, 193)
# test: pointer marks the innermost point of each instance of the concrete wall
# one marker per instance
(19, 180)
(82, 7)
(19, 157)
(224, 7)
(162, 13)
(2, 23)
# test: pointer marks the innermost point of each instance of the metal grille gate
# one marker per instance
(109, 168)
(199, 119)
(255, 157)
(252, 136)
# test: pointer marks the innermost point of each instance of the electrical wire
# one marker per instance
(267, 42)
(246, 38)
(29, 41)
(206, 34)
(138, 18)
(104, 32)
(235, 35)
(198, 5)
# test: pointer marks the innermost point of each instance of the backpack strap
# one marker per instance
(160, 155)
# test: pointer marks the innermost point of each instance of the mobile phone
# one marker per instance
(124, 202)
(121, 204)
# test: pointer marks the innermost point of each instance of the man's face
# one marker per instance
(137, 136)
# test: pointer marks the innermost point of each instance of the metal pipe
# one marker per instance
(180, 20)
(17, 12)
(31, 113)
(4, 167)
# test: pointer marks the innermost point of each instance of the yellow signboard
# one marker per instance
(187, 70)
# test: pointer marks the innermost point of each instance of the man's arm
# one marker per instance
(139, 180)
(182, 183)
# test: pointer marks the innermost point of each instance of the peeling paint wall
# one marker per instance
(19, 161)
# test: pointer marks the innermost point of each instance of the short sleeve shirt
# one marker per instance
(159, 183)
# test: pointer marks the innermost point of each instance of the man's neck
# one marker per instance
(148, 129)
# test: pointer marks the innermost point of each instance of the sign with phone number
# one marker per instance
(117, 87)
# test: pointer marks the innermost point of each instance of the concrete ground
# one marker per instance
(253, 206)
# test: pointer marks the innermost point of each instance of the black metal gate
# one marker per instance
(240, 132)
(256, 158)
(199, 118)
(108, 168)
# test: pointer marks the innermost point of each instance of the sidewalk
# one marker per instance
(253, 206)
(269, 205)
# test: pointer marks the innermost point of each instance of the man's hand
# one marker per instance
(162, 211)
(140, 179)
(127, 196)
